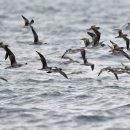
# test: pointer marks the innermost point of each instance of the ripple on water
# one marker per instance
(91, 119)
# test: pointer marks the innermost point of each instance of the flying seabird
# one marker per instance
(117, 49)
(109, 69)
(97, 36)
(50, 69)
(95, 39)
(124, 36)
(11, 56)
(58, 70)
(35, 36)
(85, 60)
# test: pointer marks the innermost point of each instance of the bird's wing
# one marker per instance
(26, 20)
(92, 66)
(43, 60)
(101, 71)
(64, 54)
(127, 42)
(111, 70)
(63, 73)
(6, 55)
(83, 54)
(10, 54)
(91, 34)
(35, 35)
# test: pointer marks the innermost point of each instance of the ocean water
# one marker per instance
(35, 100)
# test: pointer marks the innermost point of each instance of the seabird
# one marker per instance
(58, 70)
(27, 22)
(124, 36)
(50, 69)
(44, 63)
(109, 69)
(117, 49)
(11, 56)
(95, 40)
(85, 60)
(97, 36)
(35, 36)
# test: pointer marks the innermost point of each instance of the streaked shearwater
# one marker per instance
(58, 70)
(95, 40)
(124, 36)
(44, 63)
(96, 37)
(50, 69)
(11, 56)
(117, 49)
(109, 69)
(35, 36)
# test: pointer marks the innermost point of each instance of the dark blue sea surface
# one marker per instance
(35, 100)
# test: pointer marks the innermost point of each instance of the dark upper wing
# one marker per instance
(64, 54)
(6, 55)
(92, 66)
(111, 70)
(43, 60)
(91, 34)
(127, 42)
(10, 54)
(26, 21)
(62, 73)
(34, 35)
(101, 71)
(83, 54)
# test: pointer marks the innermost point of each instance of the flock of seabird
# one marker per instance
(95, 35)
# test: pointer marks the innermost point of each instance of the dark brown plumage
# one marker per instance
(35, 36)
(43, 60)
